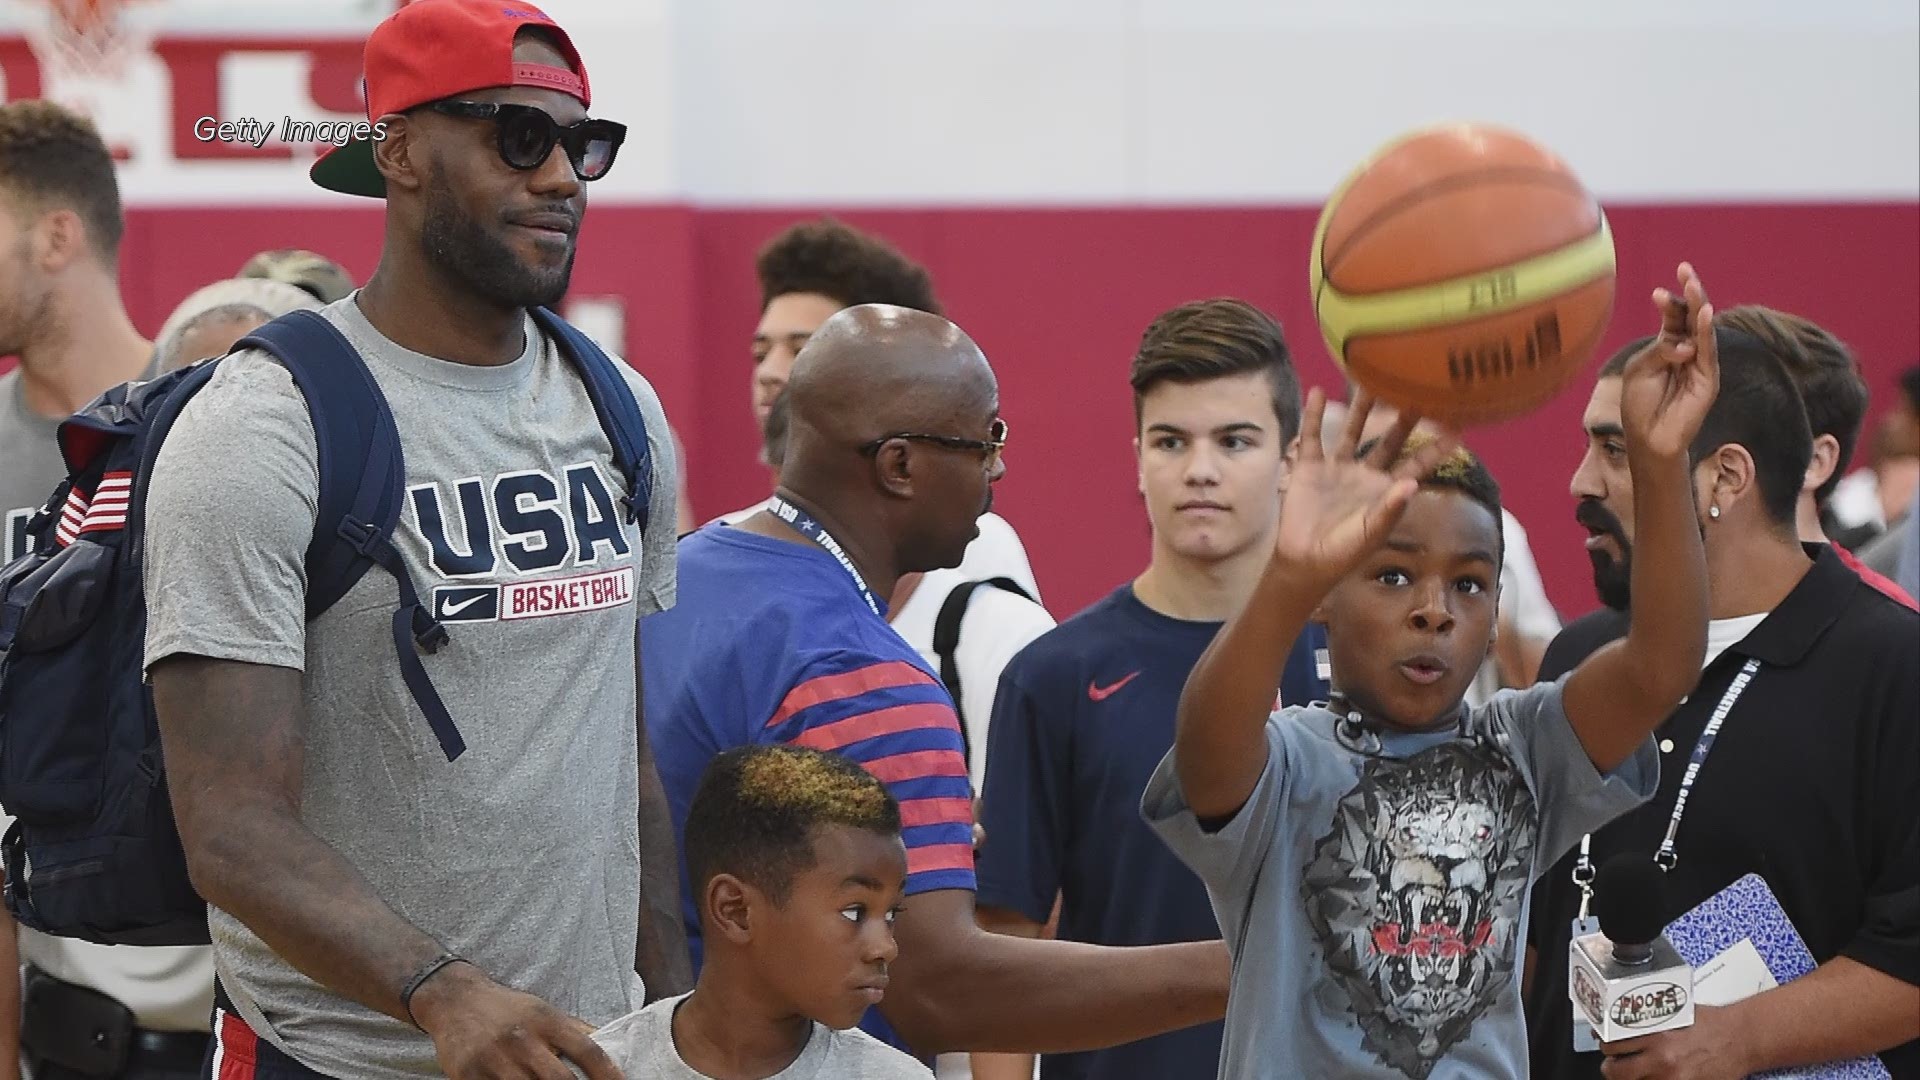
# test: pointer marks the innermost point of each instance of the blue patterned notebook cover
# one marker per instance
(1748, 909)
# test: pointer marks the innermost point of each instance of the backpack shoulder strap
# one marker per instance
(81, 439)
(362, 485)
(946, 641)
(358, 447)
(619, 413)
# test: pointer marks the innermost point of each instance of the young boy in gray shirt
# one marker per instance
(1370, 858)
(797, 867)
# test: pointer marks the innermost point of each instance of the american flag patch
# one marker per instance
(106, 510)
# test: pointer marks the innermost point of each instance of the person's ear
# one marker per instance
(1826, 459)
(1728, 475)
(1139, 468)
(893, 468)
(398, 154)
(730, 903)
(59, 240)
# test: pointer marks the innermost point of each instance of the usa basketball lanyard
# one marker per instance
(1668, 857)
(804, 524)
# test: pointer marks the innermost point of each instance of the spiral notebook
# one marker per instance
(1746, 919)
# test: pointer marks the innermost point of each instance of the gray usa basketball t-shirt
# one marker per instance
(1373, 891)
(522, 854)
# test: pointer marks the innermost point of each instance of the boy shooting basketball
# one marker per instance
(1370, 858)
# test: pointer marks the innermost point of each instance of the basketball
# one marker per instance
(1464, 272)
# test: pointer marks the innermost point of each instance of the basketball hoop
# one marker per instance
(87, 40)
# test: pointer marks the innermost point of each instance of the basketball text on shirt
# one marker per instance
(520, 523)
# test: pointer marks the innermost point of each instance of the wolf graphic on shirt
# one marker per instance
(1415, 894)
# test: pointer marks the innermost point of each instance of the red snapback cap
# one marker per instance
(434, 49)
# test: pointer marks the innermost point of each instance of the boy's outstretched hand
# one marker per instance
(1616, 698)
(1339, 509)
(1668, 386)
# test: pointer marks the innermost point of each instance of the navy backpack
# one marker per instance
(93, 852)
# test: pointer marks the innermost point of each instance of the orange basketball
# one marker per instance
(1463, 272)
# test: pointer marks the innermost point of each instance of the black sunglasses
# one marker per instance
(528, 135)
(992, 445)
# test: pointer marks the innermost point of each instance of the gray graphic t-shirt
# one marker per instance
(641, 1044)
(522, 854)
(1374, 888)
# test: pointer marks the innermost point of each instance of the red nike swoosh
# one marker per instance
(1097, 692)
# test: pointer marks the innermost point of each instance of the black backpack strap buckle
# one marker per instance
(428, 633)
(362, 537)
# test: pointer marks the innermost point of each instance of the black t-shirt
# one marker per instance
(1580, 639)
(1813, 783)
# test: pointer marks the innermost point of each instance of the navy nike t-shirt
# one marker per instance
(1082, 717)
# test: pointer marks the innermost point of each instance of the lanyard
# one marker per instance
(804, 524)
(1667, 858)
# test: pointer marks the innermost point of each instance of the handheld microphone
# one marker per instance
(1627, 980)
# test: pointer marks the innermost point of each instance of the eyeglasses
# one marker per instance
(995, 442)
(528, 135)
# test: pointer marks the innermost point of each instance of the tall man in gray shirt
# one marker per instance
(379, 912)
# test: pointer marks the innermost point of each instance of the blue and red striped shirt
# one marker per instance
(885, 710)
(770, 642)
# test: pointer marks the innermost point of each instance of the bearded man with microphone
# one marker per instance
(1787, 776)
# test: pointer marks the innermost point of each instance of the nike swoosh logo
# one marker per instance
(451, 608)
(1096, 692)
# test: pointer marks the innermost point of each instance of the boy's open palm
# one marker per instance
(1338, 509)
(1668, 386)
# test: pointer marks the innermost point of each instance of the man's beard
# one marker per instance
(23, 315)
(1611, 579)
(463, 249)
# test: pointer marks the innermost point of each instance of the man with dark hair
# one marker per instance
(1835, 397)
(1085, 713)
(807, 273)
(1808, 783)
(812, 270)
(1769, 427)
(780, 635)
(384, 907)
(62, 315)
